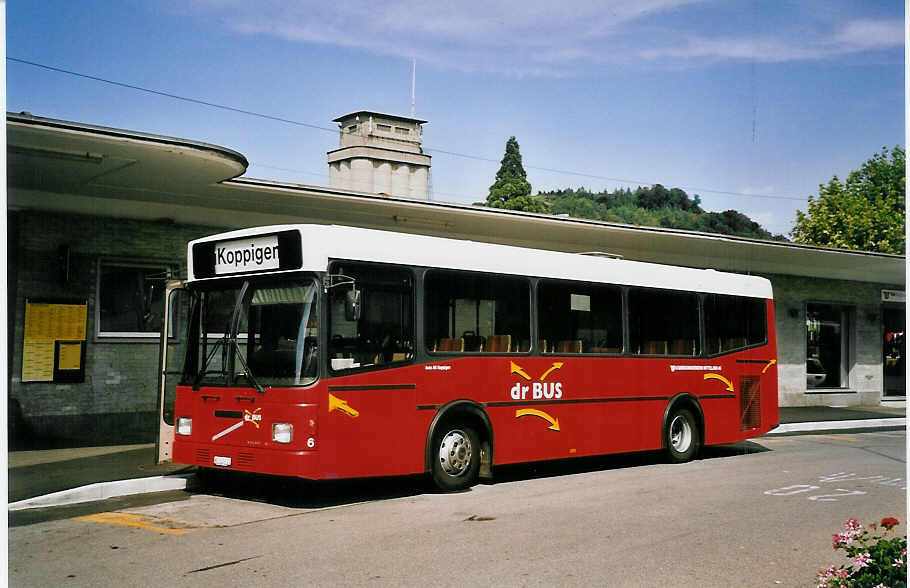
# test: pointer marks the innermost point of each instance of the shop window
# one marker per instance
(579, 318)
(663, 322)
(826, 346)
(894, 352)
(130, 299)
(478, 313)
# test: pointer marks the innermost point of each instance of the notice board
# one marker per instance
(53, 348)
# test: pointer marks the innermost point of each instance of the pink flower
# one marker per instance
(853, 525)
(897, 564)
(862, 560)
(841, 539)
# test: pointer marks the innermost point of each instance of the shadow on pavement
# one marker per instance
(295, 493)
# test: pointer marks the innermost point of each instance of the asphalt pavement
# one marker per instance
(57, 477)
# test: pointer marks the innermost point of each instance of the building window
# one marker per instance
(402, 131)
(384, 128)
(352, 129)
(130, 299)
(826, 346)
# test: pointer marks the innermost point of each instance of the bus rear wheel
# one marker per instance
(682, 436)
(456, 457)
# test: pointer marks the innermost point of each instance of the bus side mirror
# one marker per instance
(352, 305)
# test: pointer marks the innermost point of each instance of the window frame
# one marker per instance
(100, 335)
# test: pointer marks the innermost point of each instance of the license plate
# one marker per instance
(221, 460)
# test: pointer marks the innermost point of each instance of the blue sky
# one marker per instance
(734, 101)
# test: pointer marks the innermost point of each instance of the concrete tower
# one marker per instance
(380, 153)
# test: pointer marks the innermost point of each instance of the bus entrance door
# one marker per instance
(172, 353)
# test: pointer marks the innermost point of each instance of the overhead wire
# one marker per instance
(431, 149)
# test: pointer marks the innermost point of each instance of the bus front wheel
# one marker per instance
(456, 457)
(682, 436)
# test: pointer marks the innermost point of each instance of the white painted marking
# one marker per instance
(695, 368)
(233, 427)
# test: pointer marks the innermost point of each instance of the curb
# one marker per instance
(104, 490)
(829, 426)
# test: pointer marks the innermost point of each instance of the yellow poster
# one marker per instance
(46, 323)
(70, 356)
(53, 322)
(38, 361)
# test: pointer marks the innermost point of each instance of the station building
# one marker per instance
(99, 218)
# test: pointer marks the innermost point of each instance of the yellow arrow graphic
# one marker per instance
(556, 365)
(336, 403)
(722, 379)
(770, 363)
(516, 369)
(554, 423)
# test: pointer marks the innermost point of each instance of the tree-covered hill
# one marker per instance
(655, 206)
(652, 207)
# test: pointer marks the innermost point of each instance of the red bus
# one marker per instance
(328, 352)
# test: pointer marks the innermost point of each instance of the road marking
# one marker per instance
(133, 520)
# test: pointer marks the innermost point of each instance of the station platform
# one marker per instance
(54, 477)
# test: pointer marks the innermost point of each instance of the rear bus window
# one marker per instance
(733, 322)
(579, 318)
(477, 313)
(663, 322)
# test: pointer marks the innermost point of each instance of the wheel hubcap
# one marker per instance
(680, 434)
(455, 453)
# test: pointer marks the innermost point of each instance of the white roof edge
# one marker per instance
(324, 242)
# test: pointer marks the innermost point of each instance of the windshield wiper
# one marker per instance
(246, 369)
(235, 346)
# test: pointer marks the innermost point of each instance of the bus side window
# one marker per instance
(488, 313)
(663, 322)
(579, 318)
(734, 322)
(384, 333)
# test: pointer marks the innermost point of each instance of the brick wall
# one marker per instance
(116, 403)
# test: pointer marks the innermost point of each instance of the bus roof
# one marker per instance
(322, 243)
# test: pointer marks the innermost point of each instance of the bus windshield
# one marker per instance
(258, 334)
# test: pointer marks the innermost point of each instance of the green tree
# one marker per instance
(511, 189)
(865, 212)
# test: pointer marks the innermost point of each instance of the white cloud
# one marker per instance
(854, 37)
(536, 37)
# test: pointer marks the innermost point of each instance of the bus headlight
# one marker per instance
(184, 426)
(282, 432)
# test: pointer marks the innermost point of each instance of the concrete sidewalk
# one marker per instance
(56, 477)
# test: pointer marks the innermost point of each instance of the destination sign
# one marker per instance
(252, 254)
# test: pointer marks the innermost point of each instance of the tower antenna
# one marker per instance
(413, 87)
